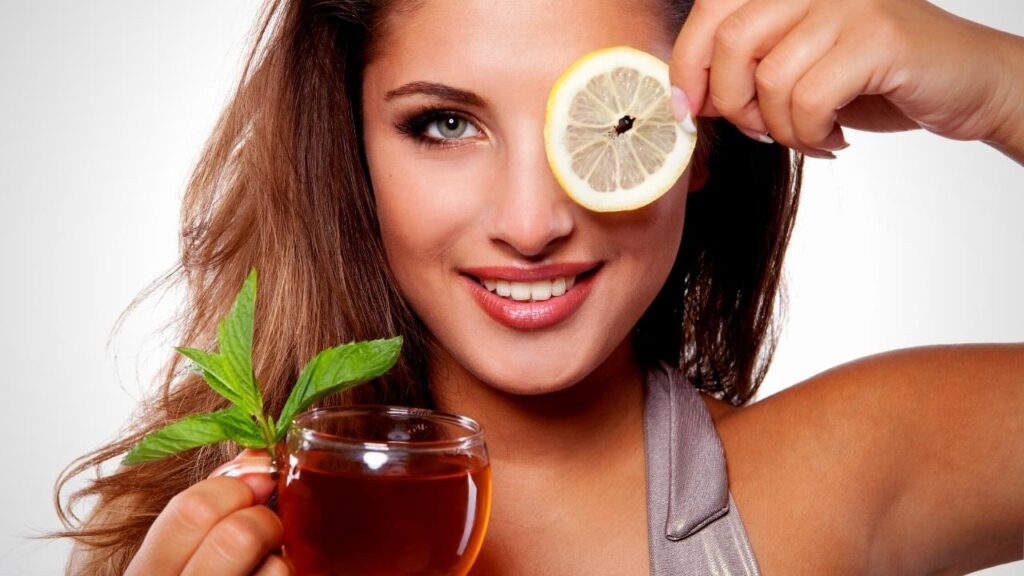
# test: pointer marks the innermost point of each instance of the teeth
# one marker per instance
(520, 291)
(540, 290)
(558, 287)
(536, 291)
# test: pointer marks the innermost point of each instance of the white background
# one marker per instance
(905, 240)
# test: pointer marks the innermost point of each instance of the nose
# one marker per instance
(533, 213)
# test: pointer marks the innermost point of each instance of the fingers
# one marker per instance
(214, 527)
(772, 67)
(741, 41)
(180, 529)
(840, 76)
(692, 52)
(782, 70)
(237, 544)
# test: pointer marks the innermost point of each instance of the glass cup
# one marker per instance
(375, 490)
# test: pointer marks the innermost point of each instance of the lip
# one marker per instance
(531, 315)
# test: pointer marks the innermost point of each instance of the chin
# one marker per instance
(515, 374)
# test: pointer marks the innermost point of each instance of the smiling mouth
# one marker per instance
(532, 288)
(532, 298)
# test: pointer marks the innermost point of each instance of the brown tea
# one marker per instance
(403, 516)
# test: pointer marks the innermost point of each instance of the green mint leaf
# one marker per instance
(240, 426)
(193, 432)
(217, 375)
(234, 337)
(337, 369)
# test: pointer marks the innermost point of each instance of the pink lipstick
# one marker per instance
(504, 293)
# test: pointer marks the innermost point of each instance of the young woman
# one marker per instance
(382, 159)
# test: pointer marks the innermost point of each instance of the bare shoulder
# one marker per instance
(858, 469)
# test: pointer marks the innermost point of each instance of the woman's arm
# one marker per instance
(908, 462)
(956, 417)
(1008, 137)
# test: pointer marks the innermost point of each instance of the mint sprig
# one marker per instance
(230, 374)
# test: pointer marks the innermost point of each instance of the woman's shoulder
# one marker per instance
(805, 472)
(857, 400)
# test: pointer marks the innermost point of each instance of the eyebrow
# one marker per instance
(442, 91)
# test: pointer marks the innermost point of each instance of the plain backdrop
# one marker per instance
(905, 240)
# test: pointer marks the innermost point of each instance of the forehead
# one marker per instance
(473, 43)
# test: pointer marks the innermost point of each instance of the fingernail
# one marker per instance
(824, 155)
(835, 141)
(681, 110)
(761, 137)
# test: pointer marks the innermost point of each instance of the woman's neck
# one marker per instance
(586, 422)
(553, 456)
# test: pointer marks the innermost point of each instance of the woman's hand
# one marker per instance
(798, 70)
(219, 526)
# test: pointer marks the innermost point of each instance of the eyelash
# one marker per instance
(415, 126)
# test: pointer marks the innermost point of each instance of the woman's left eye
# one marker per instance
(450, 126)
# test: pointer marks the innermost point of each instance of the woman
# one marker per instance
(346, 148)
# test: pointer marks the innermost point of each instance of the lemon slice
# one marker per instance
(609, 133)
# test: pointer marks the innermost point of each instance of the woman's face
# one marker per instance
(453, 120)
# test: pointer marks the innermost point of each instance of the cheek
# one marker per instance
(668, 231)
(651, 254)
(395, 196)
(656, 266)
(409, 229)
(653, 240)
(426, 208)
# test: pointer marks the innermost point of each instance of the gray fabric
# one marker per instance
(694, 526)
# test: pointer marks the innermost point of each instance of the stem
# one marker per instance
(268, 435)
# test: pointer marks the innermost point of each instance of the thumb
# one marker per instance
(256, 469)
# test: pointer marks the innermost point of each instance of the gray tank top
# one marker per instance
(693, 524)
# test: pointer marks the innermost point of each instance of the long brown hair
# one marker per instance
(282, 186)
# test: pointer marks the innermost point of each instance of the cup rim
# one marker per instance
(473, 438)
